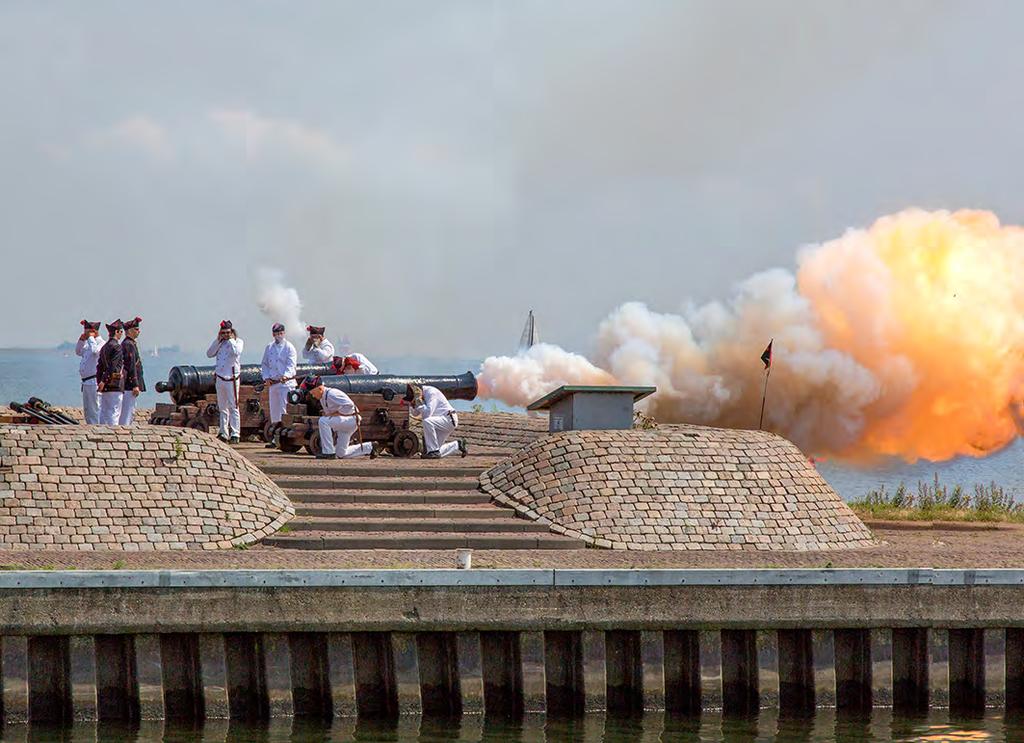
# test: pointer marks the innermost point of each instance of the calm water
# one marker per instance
(593, 729)
(52, 376)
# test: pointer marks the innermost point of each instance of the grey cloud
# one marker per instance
(424, 173)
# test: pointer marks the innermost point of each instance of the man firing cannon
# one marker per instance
(354, 363)
(340, 418)
(439, 421)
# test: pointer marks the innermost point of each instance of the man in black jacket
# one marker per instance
(110, 375)
(134, 383)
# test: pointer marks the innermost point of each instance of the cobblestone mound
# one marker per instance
(676, 488)
(501, 430)
(137, 488)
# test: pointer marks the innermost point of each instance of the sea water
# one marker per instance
(824, 727)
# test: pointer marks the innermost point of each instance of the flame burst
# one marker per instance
(904, 339)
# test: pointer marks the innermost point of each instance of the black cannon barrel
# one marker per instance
(454, 386)
(187, 383)
(40, 415)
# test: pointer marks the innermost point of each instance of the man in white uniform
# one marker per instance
(354, 363)
(110, 375)
(278, 371)
(227, 349)
(439, 421)
(340, 418)
(318, 349)
(88, 347)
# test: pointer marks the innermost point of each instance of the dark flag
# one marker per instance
(766, 359)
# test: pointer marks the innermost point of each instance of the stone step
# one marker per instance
(442, 526)
(462, 497)
(403, 511)
(371, 483)
(418, 541)
(342, 469)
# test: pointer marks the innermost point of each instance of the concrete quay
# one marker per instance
(251, 645)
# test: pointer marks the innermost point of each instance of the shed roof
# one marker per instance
(639, 393)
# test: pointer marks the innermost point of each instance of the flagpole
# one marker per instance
(764, 396)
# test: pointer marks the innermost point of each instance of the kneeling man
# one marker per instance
(354, 363)
(439, 420)
(340, 417)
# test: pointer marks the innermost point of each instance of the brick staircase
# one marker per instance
(388, 503)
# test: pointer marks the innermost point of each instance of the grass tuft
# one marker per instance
(936, 502)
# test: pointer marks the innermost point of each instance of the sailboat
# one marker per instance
(530, 336)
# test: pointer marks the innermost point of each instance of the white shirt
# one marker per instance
(365, 365)
(434, 403)
(228, 352)
(89, 350)
(336, 401)
(279, 361)
(321, 354)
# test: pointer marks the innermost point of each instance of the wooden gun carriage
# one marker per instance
(194, 398)
(384, 418)
(382, 421)
(202, 414)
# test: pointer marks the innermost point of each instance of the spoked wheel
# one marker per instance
(267, 432)
(313, 447)
(404, 444)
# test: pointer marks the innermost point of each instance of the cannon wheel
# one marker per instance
(154, 420)
(313, 447)
(199, 424)
(268, 426)
(404, 444)
(284, 443)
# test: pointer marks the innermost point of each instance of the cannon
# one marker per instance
(384, 418)
(194, 397)
(187, 383)
(389, 386)
(40, 411)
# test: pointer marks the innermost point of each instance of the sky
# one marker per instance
(426, 173)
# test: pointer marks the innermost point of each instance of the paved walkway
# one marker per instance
(899, 548)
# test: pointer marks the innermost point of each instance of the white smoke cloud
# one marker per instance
(278, 302)
(900, 339)
(536, 371)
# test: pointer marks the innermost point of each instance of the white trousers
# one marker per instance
(278, 395)
(436, 430)
(110, 408)
(343, 426)
(128, 403)
(90, 401)
(227, 406)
